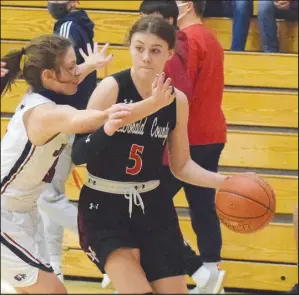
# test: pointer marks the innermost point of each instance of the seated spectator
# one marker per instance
(219, 8)
(268, 11)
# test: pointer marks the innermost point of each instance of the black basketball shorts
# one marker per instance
(105, 225)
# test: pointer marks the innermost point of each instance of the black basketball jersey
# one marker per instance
(134, 152)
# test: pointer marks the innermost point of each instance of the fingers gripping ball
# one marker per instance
(245, 203)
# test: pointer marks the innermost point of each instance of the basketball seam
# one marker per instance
(262, 187)
(253, 231)
(227, 191)
(241, 217)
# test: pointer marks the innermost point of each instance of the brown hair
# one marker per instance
(155, 25)
(43, 52)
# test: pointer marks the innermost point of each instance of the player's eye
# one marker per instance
(156, 51)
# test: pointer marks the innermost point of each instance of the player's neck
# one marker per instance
(143, 86)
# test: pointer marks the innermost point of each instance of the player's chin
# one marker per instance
(147, 73)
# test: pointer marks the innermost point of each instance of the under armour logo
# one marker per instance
(142, 186)
(20, 277)
(92, 181)
(126, 101)
(92, 255)
(93, 206)
(88, 139)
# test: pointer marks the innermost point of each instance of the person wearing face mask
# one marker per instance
(57, 211)
(207, 136)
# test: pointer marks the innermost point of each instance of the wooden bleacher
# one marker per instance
(261, 137)
(241, 69)
(112, 26)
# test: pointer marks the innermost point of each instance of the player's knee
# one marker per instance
(46, 282)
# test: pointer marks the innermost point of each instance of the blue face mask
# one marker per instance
(58, 10)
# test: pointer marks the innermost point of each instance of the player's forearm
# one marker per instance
(85, 70)
(193, 174)
(87, 121)
(142, 109)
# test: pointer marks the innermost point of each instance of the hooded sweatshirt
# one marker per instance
(77, 27)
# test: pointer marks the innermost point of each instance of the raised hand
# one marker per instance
(96, 59)
(162, 91)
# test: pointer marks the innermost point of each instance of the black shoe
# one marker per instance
(294, 290)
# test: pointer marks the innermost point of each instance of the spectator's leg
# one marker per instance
(268, 26)
(242, 12)
(201, 200)
(205, 223)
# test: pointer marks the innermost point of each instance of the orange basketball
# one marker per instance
(245, 203)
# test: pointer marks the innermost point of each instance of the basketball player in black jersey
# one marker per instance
(126, 226)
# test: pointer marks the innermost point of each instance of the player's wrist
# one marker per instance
(108, 130)
(155, 103)
(221, 179)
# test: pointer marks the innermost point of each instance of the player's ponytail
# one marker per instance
(13, 64)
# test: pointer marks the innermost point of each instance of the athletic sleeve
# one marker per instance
(86, 145)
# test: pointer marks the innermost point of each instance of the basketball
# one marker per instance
(245, 203)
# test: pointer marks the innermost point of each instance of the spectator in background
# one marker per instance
(57, 211)
(268, 11)
(218, 8)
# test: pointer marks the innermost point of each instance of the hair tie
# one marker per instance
(22, 61)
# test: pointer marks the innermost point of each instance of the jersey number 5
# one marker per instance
(135, 155)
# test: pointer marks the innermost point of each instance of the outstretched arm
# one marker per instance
(104, 98)
(45, 121)
(181, 164)
(105, 95)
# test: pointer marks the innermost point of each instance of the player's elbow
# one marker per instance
(177, 168)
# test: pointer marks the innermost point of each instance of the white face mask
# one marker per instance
(184, 13)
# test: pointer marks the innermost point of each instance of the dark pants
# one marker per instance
(202, 210)
(267, 14)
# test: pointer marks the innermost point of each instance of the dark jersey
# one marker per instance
(134, 152)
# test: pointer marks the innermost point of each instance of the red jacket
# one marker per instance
(207, 123)
(176, 69)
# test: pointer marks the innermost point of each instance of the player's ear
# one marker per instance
(171, 53)
(46, 75)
